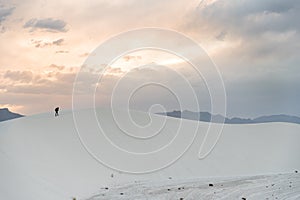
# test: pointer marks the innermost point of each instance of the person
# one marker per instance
(56, 111)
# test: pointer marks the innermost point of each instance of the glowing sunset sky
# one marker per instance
(255, 44)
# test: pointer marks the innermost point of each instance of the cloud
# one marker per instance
(84, 55)
(58, 42)
(62, 51)
(253, 42)
(42, 44)
(58, 80)
(273, 92)
(254, 34)
(56, 67)
(167, 81)
(26, 81)
(19, 76)
(221, 36)
(258, 52)
(5, 12)
(46, 24)
(247, 19)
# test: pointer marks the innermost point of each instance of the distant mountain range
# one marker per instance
(208, 117)
(5, 114)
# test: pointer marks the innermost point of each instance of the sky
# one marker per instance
(254, 43)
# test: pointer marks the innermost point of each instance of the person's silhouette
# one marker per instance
(56, 111)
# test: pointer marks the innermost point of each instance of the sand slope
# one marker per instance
(41, 157)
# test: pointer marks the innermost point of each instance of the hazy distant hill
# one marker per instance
(207, 117)
(5, 114)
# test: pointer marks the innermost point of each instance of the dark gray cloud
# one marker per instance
(46, 24)
(5, 12)
(246, 19)
(58, 42)
(260, 57)
(221, 36)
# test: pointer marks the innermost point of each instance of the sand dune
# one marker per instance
(41, 157)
